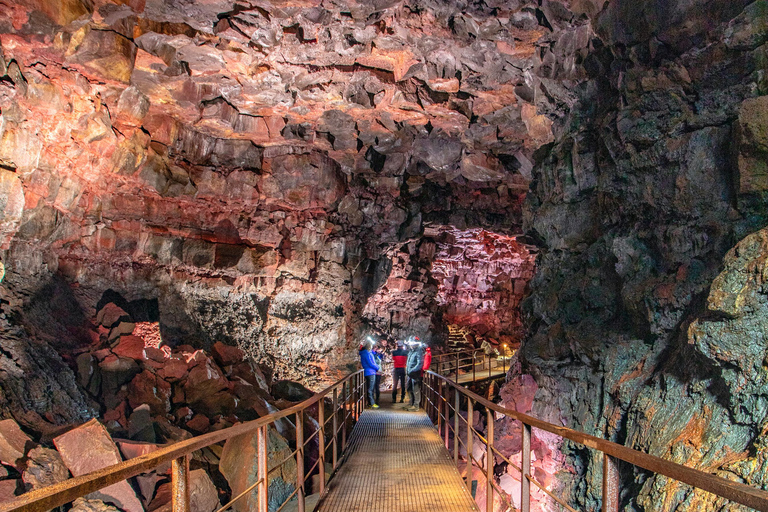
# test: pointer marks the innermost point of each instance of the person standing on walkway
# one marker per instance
(370, 368)
(399, 358)
(378, 358)
(427, 359)
(414, 368)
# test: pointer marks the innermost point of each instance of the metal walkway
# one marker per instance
(396, 462)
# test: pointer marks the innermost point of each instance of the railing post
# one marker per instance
(345, 419)
(180, 484)
(525, 483)
(470, 442)
(262, 435)
(335, 427)
(438, 406)
(489, 459)
(610, 484)
(456, 404)
(321, 440)
(446, 407)
(474, 365)
(300, 459)
(457, 367)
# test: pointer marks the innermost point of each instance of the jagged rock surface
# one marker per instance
(645, 329)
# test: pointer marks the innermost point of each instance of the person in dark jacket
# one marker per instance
(378, 358)
(399, 357)
(370, 368)
(414, 368)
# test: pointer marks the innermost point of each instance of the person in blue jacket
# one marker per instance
(370, 369)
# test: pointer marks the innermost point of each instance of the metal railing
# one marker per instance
(437, 402)
(474, 361)
(347, 405)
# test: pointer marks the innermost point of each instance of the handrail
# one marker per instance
(436, 402)
(467, 360)
(178, 454)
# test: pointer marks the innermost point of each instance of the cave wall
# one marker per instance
(646, 314)
(257, 169)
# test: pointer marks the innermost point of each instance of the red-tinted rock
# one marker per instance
(9, 489)
(130, 346)
(239, 464)
(88, 448)
(203, 381)
(226, 355)
(162, 500)
(148, 388)
(173, 369)
(14, 444)
(133, 449)
(199, 423)
(155, 354)
(121, 329)
(110, 315)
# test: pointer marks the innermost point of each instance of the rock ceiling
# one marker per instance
(253, 165)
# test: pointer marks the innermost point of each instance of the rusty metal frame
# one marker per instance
(178, 455)
(612, 453)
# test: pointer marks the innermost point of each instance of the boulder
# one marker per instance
(8, 489)
(226, 355)
(147, 388)
(203, 496)
(91, 505)
(121, 329)
(173, 369)
(112, 314)
(115, 372)
(130, 346)
(291, 391)
(44, 467)
(239, 465)
(140, 425)
(199, 423)
(14, 444)
(88, 448)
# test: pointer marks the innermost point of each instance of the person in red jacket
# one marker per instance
(399, 357)
(427, 359)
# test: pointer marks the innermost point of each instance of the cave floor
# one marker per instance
(396, 462)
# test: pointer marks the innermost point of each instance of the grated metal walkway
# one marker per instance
(396, 463)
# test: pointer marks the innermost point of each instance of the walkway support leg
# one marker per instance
(489, 458)
(335, 427)
(610, 484)
(438, 406)
(470, 441)
(345, 396)
(300, 459)
(321, 441)
(180, 484)
(456, 404)
(447, 408)
(457, 367)
(261, 440)
(525, 487)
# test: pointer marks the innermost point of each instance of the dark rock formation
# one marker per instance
(641, 331)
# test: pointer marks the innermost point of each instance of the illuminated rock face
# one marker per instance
(482, 277)
(255, 168)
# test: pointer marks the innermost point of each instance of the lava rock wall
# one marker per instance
(646, 316)
(253, 168)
